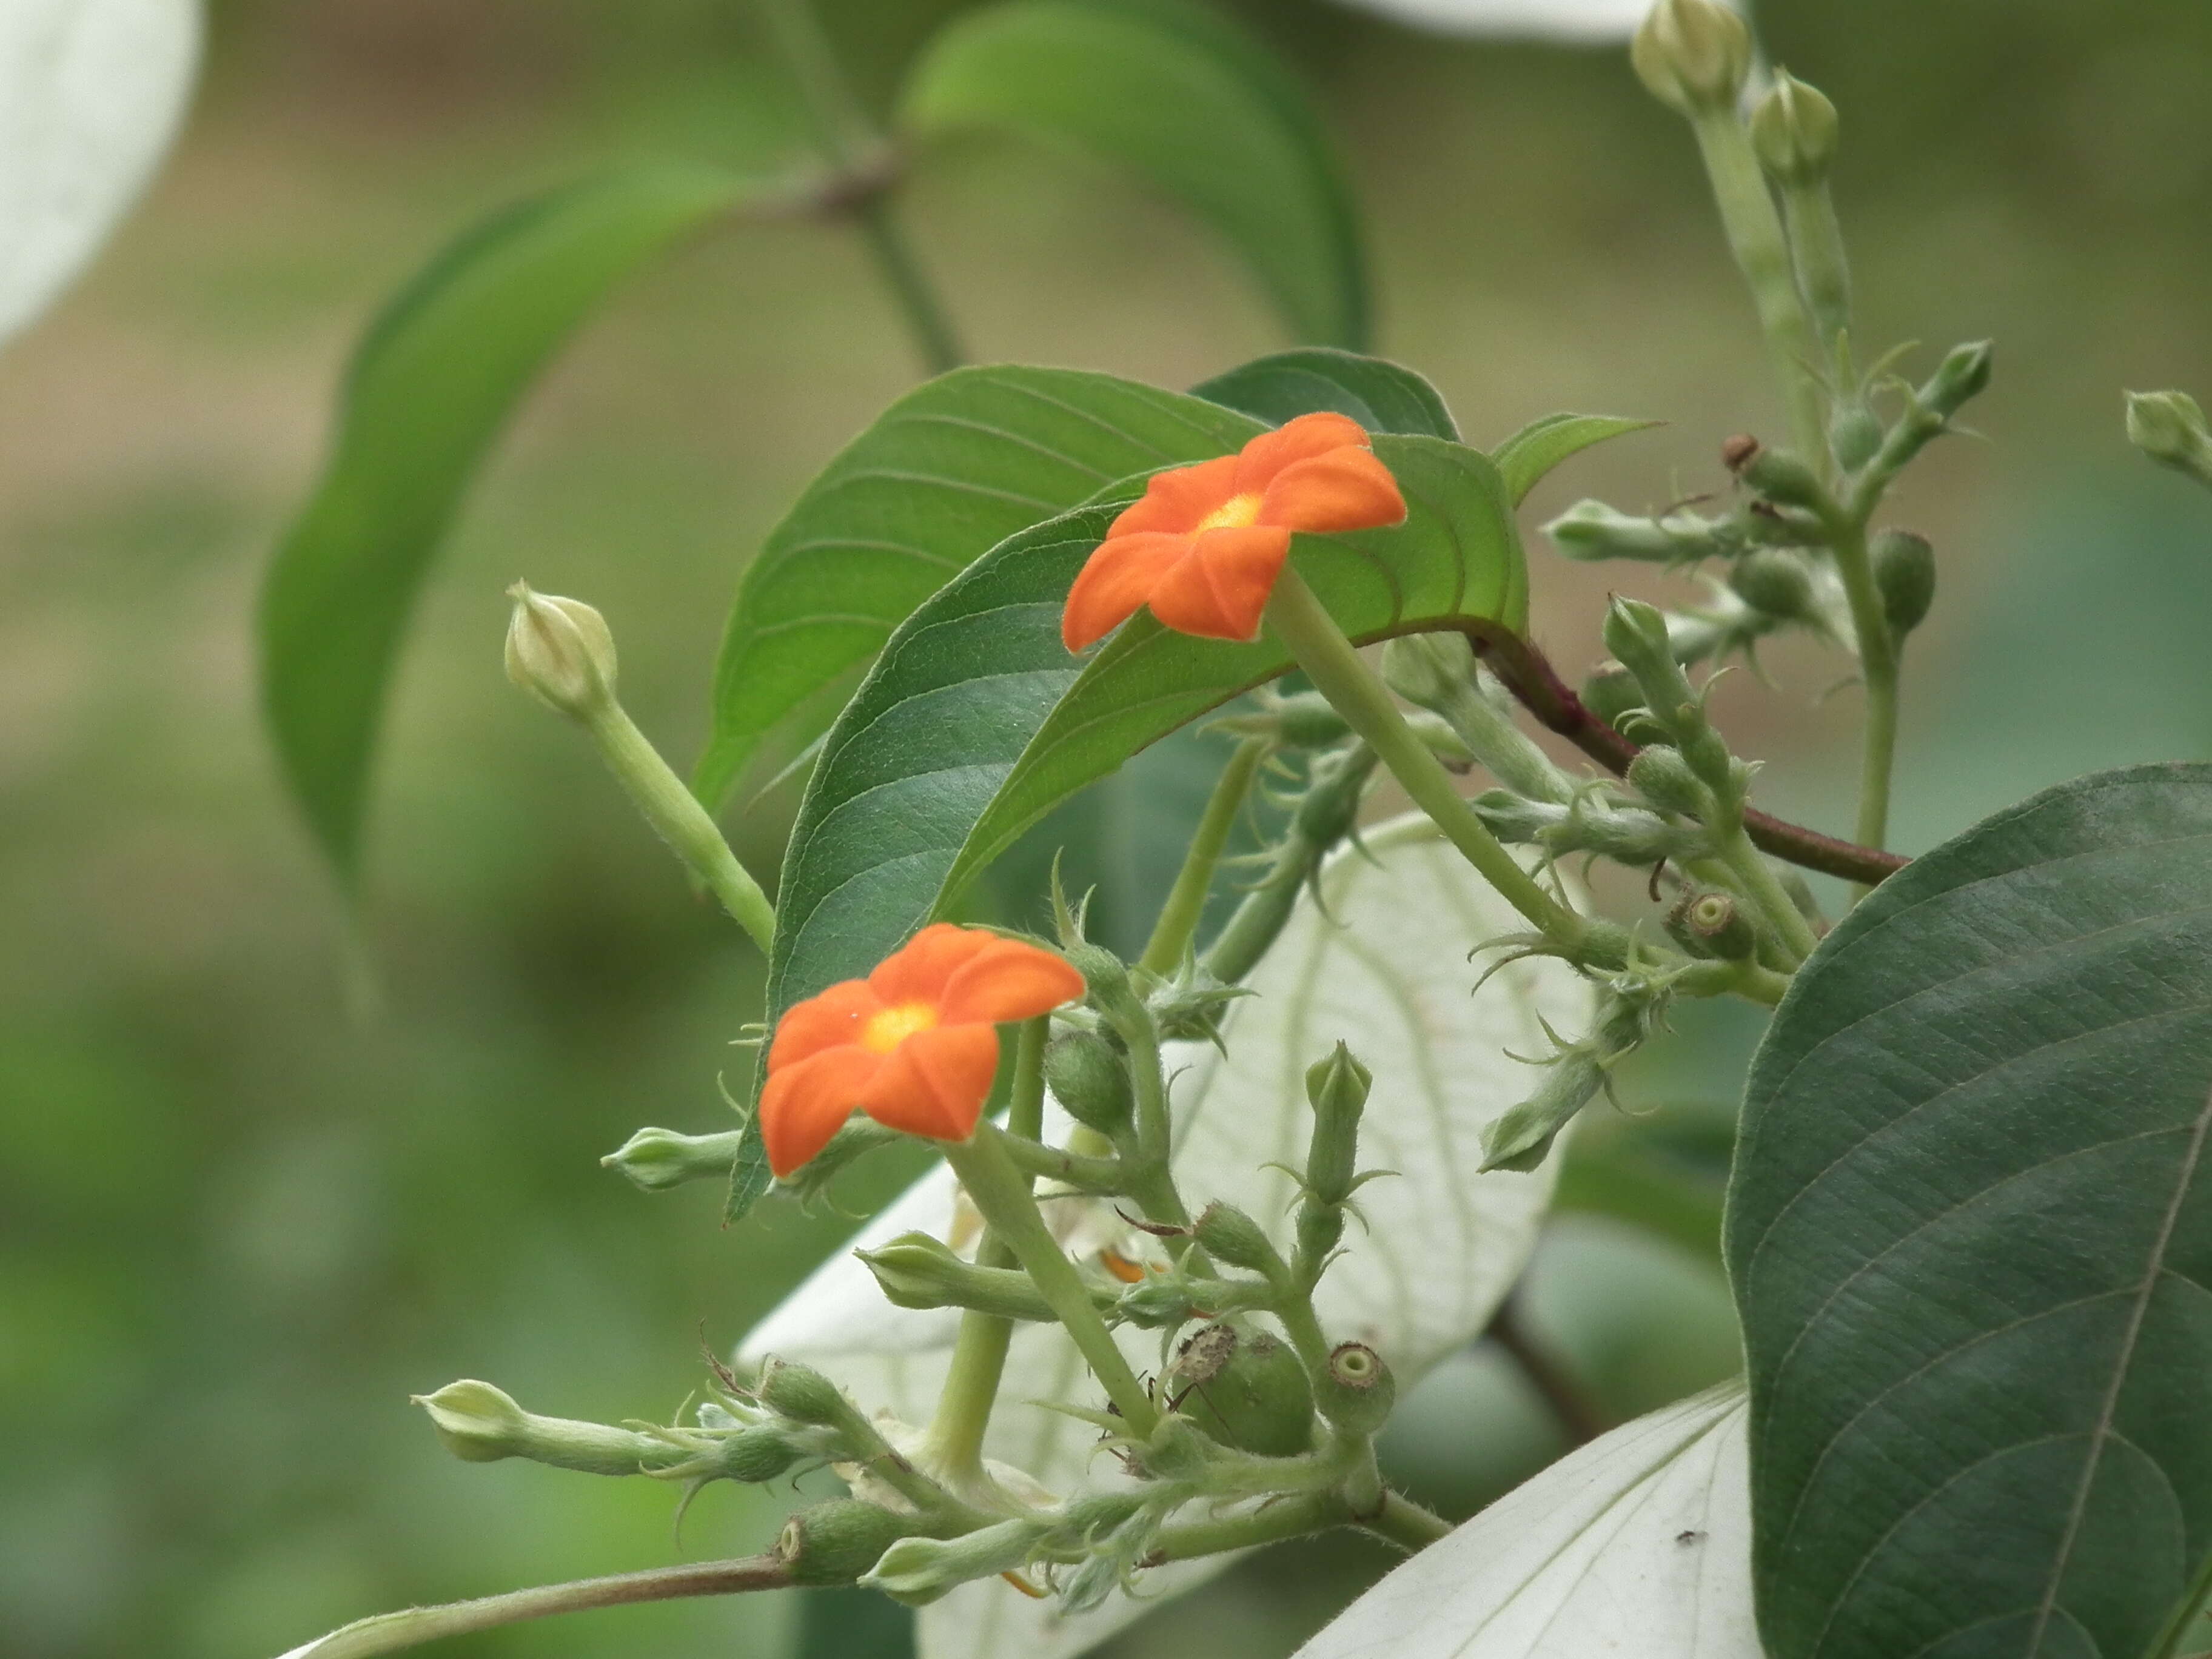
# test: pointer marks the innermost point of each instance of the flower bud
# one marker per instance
(835, 1542)
(656, 1159)
(1589, 531)
(1795, 130)
(1664, 779)
(480, 1424)
(801, 1393)
(1429, 670)
(1961, 377)
(1357, 1389)
(917, 1271)
(2170, 427)
(1714, 925)
(560, 651)
(1611, 692)
(755, 1455)
(1090, 1080)
(1337, 1089)
(1108, 977)
(1855, 434)
(1784, 478)
(1776, 582)
(1176, 1450)
(1904, 574)
(1247, 1390)
(919, 1571)
(1693, 55)
(1227, 1234)
(1156, 1302)
(1309, 721)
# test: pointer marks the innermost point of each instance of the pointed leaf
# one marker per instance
(91, 94)
(1444, 1244)
(1380, 395)
(1186, 102)
(431, 384)
(1525, 458)
(1638, 1543)
(1970, 1232)
(943, 476)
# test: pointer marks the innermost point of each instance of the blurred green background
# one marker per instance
(238, 1226)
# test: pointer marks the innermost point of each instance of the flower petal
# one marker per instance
(827, 1021)
(804, 1104)
(1293, 441)
(935, 1083)
(1344, 489)
(1219, 591)
(1175, 501)
(920, 970)
(1116, 583)
(1009, 980)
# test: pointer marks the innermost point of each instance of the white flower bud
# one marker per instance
(560, 651)
(2170, 427)
(1694, 55)
(1795, 131)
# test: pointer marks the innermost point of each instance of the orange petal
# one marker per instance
(1293, 441)
(919, 970)
(827, 1021)
(1012, 980)
(804, 1104)
(1175, 501)
(1118, 578)
(1219, 591)
(935, 1083)
(1344, 489)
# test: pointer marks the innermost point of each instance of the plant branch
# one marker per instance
(1186, 902)
(1576, 1414)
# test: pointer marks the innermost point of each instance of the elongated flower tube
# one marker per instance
(1205, 546)
(914, 1045)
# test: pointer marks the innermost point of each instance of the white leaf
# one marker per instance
(1589, 21)
(91, 93)
(1638, 1544)
(1389, 974)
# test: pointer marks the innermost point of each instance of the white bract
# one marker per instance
(1639, 1543)
(1591, 22)
(91, 94)
(1387, 974)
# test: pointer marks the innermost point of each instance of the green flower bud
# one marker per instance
(560, 651)
(1784, 478)
(1337, 1089)
(1611, 692)
(2170, 427)
(801, 1393)
(919, 1571)
(1961, 377)
(1088, 1077)
(1590, 530)
(1714, 925)
(656, 1159)
(1108, 977)
(1775, 582)
(1795, 130)
(1904, 573)
(1227, 1234)
(480, 1424)
(1855, 434)
(1309, 721)
(1246, 1390)
(1429, 670)
(754, 1456)
(835, 1542)
(1663, 778)
(1177, 1450)
(1357, 1389)
(1693, 55)
(917, 1271)
(1156, 1302)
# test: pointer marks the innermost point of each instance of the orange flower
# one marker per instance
(1203, 547)
(914, 1045)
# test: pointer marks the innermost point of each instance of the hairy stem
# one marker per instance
(1186, 902)
(1878, 666)
(1413, 1526)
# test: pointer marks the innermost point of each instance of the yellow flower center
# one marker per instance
(885, 1031)
(1232, 514)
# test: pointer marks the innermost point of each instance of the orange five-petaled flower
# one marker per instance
(914, 1045)
(1203, 547)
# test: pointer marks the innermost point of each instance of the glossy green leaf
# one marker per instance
(1380, 395)
(943, 476)
(1970, 1232)
(430, 386)
(1186, 102)
(1525, 458)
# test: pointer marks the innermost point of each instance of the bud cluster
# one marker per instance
(1520, 1138)
(1688, 769)
(1594, 822)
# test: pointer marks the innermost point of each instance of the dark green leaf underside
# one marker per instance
(1970, 1230)
(1381, 395)
(431, 384)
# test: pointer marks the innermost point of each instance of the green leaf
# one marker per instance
(1971, 1233)
(1530, 454)
(1187, 103)
(943, 476)
(430, 385)
(1378, 394)
(975, 722)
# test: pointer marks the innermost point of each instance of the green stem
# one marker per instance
(1764, 889)
(1179, 917)
(1002, 1192)
(845, 136)
(1878, 666)
(979, 1354)
(1104, 1175)
(391, 1632)
(1286, 1518)
(1762, 253)
(1297, 619)
(1816, 241)
(1407, 1524)
(675, 812)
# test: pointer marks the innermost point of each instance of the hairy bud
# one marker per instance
(1905, 574)
(1228, 1235)
(800, 1394)
(1784, 478)
(480, 1424)
(1090, 1080)
(1611, 692)
(835, 1542)
(1245, 1389)
(1357, 1389)
(1664, 779)
(1776, 582)
(1714, 925)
